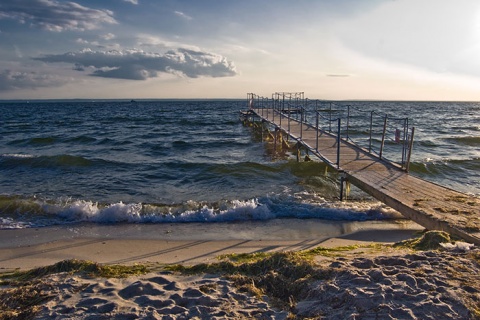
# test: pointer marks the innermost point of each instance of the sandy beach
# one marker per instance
(186, 243)
(357, 274)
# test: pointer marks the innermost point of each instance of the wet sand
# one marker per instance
(186, 243)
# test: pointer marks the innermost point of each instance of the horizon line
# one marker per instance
(211, 99)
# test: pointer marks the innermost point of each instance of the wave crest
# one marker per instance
(37, 213)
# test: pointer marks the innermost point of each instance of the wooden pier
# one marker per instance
(431, 205)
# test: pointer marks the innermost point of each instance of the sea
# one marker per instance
(180, 161)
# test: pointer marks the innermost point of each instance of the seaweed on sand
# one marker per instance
(430, 240)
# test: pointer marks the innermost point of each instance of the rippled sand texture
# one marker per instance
(414, 285)
(156, 296)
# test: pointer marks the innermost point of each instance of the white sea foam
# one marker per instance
(89, 211)
(17, 155)
(238, 210)
(9, 223)
(66, 211)
(92, 212)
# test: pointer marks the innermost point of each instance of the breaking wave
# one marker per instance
(18, 212)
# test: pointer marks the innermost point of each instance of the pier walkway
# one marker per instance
(431, 205)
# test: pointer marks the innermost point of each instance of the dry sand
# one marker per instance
(153, 296)
(425, 285)
(362, 283)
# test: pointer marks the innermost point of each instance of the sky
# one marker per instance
(328, 49)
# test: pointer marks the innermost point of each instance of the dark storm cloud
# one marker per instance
(141, 65)
(54, 15)
(11, 80)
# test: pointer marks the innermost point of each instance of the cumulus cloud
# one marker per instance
(105, 42)
(11, 80)
(81, 41)
(132, 1)
(137, 64)
(54, 15)
(108, 36)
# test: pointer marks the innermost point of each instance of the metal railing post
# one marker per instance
(304, 111)
(318, 130)
(330, 122)
(263, 105)
(267, 105)
(410, 150)
(383, 136)
(289, 115)
(371, 129)
(273, 109)
(280, 112)
(338, 142)
(301, 126)
(405, 141)
(348, 122)
(403, 145)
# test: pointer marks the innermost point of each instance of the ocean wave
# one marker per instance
(17, 212)
(426, 143)
(82, 139)
(62, 160)
(114, 142)
(445, 166)
(466, 140)
(37, 141)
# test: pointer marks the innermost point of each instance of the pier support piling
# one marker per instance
(344, 187)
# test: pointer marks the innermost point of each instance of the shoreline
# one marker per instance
(339, 280)
(186, 243)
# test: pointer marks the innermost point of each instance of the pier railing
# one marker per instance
(377, 133)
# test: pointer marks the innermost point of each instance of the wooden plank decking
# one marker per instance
(433, 206)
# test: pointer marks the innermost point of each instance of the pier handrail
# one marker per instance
(352, 123)
(386, 128)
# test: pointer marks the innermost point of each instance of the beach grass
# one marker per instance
(72, 266)
(283, 277)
